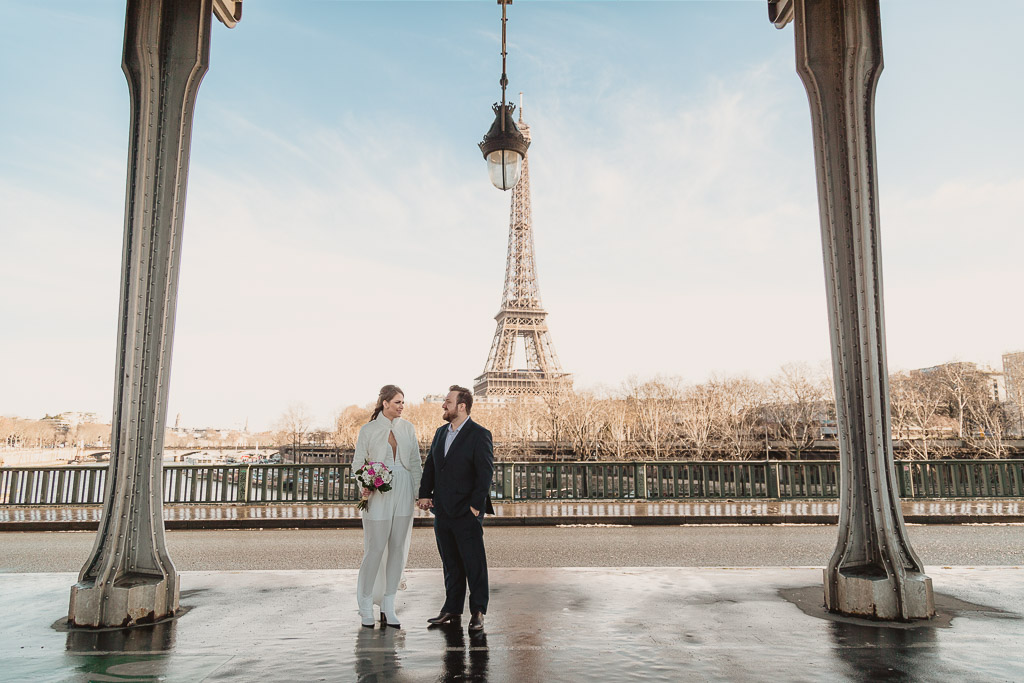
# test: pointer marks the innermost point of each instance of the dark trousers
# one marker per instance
(460, 542)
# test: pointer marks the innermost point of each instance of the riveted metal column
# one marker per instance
(129, 577)
(873, 571)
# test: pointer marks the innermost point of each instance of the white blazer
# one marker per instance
(372, 446)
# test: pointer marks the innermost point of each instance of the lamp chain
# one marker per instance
(504, 75)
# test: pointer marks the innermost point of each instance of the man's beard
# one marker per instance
(446, 416)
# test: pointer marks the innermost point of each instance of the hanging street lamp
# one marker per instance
(504, 147)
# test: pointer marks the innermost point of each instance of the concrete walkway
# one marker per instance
(607, 624)
(269, 516)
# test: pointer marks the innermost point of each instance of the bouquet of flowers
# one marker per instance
(374, 476)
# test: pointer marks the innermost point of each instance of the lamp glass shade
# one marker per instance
(504, 167)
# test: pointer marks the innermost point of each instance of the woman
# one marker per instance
(387, 520)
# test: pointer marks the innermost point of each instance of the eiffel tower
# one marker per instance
(522, 315)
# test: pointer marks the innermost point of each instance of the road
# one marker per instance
(689, 546)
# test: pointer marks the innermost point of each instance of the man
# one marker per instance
(456, 484)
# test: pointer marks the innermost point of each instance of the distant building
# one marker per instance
(995, 380)
(314, 455)
(1013, 373)
(74, 418)
(61, 427)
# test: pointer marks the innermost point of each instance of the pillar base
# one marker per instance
(131, 600)
(867, 593)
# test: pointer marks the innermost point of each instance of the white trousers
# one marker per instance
(385, 550)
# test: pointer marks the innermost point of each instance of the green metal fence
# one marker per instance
(519, 481)
(961, 478)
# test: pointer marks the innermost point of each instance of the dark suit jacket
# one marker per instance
(463, 477)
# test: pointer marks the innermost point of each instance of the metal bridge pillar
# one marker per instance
(129, 578)
(873, 571)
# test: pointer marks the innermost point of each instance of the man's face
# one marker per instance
(450, 406)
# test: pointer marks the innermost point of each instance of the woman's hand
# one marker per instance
(366, 492)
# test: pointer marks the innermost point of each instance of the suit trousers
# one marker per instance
(460, 542)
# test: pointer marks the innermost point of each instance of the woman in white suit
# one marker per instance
(387, 520)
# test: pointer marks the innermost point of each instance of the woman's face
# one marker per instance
(394, 407)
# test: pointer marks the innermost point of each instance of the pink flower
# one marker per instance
(370, 471)
(378, 482)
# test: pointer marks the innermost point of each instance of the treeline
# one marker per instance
(957, 409)
(662, 418)
(49, 432)
(954, 410)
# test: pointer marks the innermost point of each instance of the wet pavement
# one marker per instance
(558, 624)
(312, 515)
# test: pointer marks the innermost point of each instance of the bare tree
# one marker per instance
(38, 433)
(799, 400)
(553, 409)
(981, 421)
(654, 405)
(959, 380)
(347, 423)
(92, 434)
(740, 403)
(617, 431)
(990, 424)
(11, 432)
(265, 438)
(522, 426)
(917, 403)
(514, 425)
(320, 437)
(988, 420)
(425, 418)
(582, 419)
(294, 424)
(901, 398)
(699, 414)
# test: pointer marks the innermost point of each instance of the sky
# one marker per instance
(340, 231)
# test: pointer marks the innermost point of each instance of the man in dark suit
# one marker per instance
(456, 484)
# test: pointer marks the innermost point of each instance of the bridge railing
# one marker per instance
(69, 485)
(961, 478)
(520, 481)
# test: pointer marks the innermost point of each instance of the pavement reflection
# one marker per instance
(880, 653)
(377, 655)
(148, 638)
(459, 662)
(126, 654)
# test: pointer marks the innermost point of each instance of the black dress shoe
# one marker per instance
(477, 622)
(446, 618)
